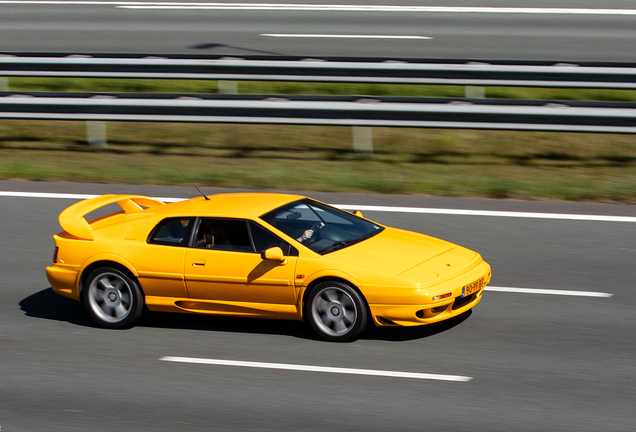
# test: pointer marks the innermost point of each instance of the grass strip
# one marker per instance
(468, 163)
(493, 164)
(17, 84)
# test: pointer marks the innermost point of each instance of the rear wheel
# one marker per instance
(112, 298)
(336, 311)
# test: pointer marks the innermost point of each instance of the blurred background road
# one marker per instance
(184, 28)
(538, 362)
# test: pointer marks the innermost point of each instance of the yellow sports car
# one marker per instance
(259, 255)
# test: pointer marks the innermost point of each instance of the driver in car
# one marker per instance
(309, 233)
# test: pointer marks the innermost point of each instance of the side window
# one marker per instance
(223, 234)
(172, 232)
(264, 239)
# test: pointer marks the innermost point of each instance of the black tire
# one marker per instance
(336, 311)
(112, 298)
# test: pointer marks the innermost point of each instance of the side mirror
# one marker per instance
(358, 213)
(274, 254)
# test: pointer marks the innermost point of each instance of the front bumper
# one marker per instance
(420, 314)
(413, 315)
(63, 280)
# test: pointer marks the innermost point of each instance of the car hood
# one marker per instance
(395, 251)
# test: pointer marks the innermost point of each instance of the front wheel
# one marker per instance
(112, 298)
(336, 311)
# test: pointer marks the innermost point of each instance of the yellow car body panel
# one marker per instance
(239, 309)
(398, 273)
(72, 219)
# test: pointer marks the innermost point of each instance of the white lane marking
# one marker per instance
(381, 8)
(328, 7)
(69, 196)
(46, 195)
(421, 210)
(459, 212)
(306, 368)
(341, 36)
(548, 291)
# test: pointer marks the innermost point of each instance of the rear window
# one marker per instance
(172, 232)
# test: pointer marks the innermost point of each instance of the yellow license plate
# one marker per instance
(473, 287)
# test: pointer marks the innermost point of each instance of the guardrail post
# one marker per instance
(4, 84)
(227, 87)
(96, 134)
(475, 92)
(362, 139)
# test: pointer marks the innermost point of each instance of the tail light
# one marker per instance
(55, 254)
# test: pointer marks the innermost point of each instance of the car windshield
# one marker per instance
(320, 227)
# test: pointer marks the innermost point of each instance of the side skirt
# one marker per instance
(212, 307)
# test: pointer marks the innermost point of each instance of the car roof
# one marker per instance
(244, 205)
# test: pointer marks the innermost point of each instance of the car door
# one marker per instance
(225, 264)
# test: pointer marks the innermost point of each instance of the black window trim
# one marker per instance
(200, 220)
(188, 234)
(196, 223)
(292, 251)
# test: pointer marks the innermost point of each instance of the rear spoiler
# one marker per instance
(73, 222)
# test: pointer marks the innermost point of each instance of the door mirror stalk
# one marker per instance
(275, 254)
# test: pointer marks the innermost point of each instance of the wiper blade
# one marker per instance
(344, 243)
(337, 245)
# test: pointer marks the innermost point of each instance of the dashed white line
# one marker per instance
(420, 210)
(322, 369)
(340, 36)
(548, 291)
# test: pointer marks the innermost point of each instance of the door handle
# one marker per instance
(198, 263)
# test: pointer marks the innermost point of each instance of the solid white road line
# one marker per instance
(68, 196)
(380, 8)
(46, 195)
(548, 291)
(421, 210)
(282, 35)
(459, 212)
(306, 368)
(327, 7)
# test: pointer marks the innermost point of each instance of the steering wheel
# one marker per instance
(315, 228)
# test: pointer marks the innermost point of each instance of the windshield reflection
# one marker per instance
(320, 227)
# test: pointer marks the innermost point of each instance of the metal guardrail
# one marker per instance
(612, 117)
(398, 71)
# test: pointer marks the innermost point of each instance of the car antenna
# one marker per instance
(206, 198)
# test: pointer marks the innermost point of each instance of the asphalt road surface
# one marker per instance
(190, 28)
(538, 362)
